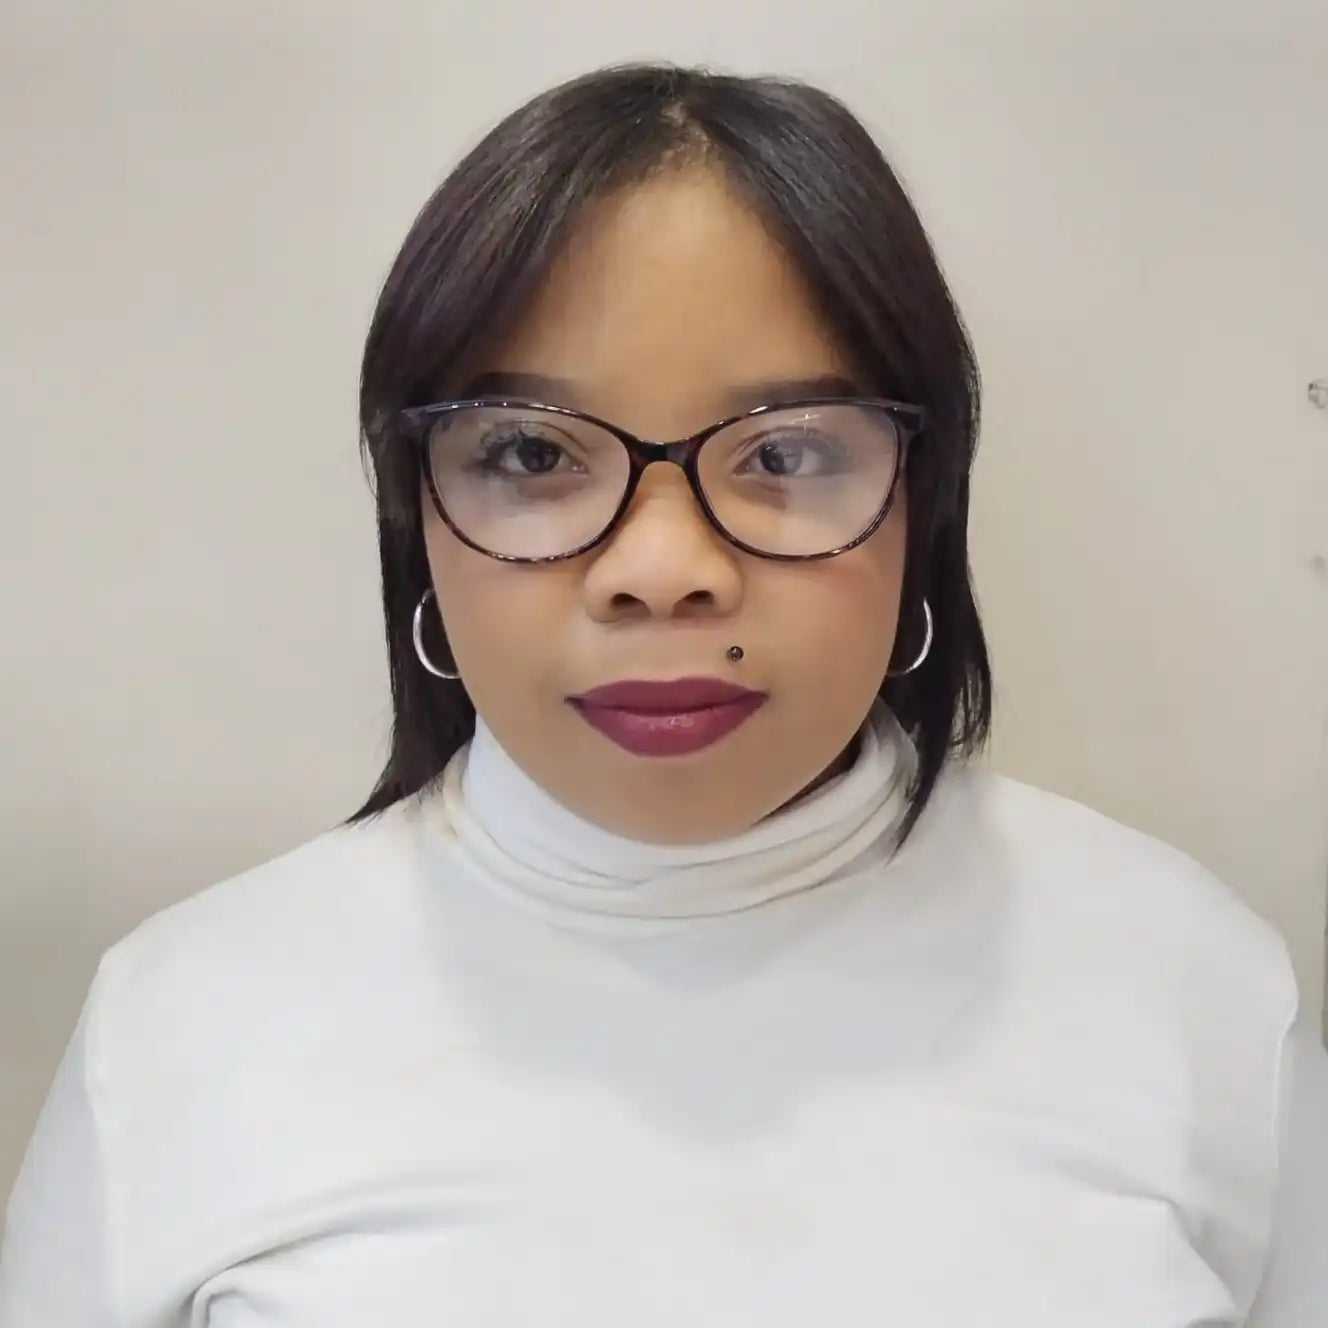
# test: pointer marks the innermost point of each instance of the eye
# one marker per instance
(792, 454)
(523, 451)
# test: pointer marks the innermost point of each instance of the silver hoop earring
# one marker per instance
(926, 645)
(417, 635)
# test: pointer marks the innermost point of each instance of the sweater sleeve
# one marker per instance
(1295, 1287)
(55, 1259)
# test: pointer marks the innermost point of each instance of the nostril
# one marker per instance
(625, 604)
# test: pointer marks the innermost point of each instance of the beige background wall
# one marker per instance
(198, 201)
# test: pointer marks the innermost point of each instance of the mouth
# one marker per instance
(667, 718)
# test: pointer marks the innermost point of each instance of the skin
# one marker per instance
(670, 299)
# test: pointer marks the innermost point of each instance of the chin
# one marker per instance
(698, 798)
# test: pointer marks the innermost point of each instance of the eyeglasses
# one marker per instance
(530, 483)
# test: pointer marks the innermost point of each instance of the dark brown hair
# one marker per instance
(813, 173)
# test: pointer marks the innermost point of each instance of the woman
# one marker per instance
(699, 979)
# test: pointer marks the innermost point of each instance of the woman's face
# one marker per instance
(663, 315)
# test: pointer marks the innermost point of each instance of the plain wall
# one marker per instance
(199, 202)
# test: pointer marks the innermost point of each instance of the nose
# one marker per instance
(665, 561)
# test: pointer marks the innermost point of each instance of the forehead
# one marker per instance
(673, 290)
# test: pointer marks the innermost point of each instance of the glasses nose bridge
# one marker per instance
(681, 452)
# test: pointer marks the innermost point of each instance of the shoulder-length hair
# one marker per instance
(809, 168)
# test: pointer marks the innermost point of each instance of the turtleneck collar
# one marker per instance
(529, 847)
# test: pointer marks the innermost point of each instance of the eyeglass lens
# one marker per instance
(523, 482)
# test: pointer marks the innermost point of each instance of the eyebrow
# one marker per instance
(772, 391)
(530, 386)
(741, 397)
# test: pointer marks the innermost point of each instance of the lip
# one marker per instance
(670, 718)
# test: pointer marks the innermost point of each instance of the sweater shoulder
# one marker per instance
(1105, 890)
(330, 866)
(296, 921)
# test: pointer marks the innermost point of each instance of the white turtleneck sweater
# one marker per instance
(478, 1063)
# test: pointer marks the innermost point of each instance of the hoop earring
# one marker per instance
(417, 636)
(926, 645)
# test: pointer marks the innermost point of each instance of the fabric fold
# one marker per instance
(538, 852)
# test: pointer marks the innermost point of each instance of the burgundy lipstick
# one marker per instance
(667, 718)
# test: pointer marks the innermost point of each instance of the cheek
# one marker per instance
(836, 620)
(847, 609)
(485, 613)
(883, 563)
(491, 611)
(849, 633)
